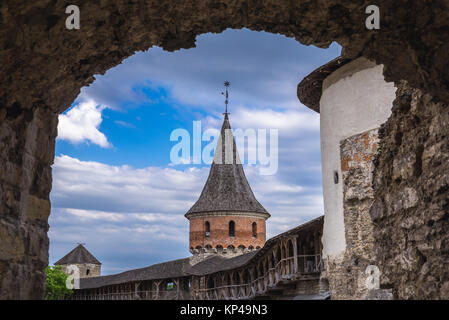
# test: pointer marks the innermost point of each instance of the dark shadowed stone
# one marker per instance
(44, 66)
(376, 211)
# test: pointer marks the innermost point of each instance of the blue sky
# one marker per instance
(114, 187)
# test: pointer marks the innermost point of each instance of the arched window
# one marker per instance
(87, 272)
(254, 230)
(231, 228)
(207, 227)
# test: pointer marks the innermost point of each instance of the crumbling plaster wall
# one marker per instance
(82, 269)
(396, 204)
(27, 147)
(348, 275)
(355, 98)
(44, 66)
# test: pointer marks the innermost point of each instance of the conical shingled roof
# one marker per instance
(78, 255)
(226, 188)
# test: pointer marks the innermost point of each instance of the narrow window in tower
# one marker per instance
(231, 228)
(254, 230)
(207, 227)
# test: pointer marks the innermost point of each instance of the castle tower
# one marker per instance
(227, 219)
(82, 259)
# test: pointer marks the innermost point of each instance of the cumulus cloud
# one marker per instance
(81, 124)
(122, 211)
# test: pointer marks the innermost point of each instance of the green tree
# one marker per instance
(56, 283)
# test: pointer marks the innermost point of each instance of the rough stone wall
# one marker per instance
(411, 211)
(346, 273)
(27, 150)
(44, 61)
(44, 66)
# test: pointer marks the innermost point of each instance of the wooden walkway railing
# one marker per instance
(283, 271)
(134, 295)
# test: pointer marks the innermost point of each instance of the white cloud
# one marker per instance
(81, 124)
(98, 186)
(289, 123)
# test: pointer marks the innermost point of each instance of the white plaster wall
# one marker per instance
(95, 269)
(355, 98)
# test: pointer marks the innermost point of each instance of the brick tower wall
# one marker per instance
(219, 232)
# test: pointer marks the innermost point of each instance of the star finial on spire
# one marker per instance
(226, 84)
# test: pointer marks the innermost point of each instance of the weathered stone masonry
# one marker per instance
(43, 67)
(357, 154)
(411, 210)
(27, 150)
(404, 234)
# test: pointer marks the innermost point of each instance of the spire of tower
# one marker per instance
(226, 188)
(226, 84)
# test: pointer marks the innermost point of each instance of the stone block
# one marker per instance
(38, 209)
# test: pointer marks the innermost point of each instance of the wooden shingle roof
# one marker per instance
(78, 255)
(165, 270)
(226, 188)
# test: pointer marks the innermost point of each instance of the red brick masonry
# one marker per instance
(219, 232)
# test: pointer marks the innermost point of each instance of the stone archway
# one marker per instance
(45, 66)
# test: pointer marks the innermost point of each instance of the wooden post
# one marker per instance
(295, 254)
(251, 282)
(176, 282)
(136, 286)
(157, 283)
(317, 249)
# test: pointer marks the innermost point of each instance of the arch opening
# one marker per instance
(106, 56)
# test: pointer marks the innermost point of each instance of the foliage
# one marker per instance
(56, 283)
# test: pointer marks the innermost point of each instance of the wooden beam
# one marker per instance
(295, 254)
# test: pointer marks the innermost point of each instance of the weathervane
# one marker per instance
(226, 84)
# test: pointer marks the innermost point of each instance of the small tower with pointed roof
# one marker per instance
(227, 219)
(81, 258)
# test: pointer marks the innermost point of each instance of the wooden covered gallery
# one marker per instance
(288, 266)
